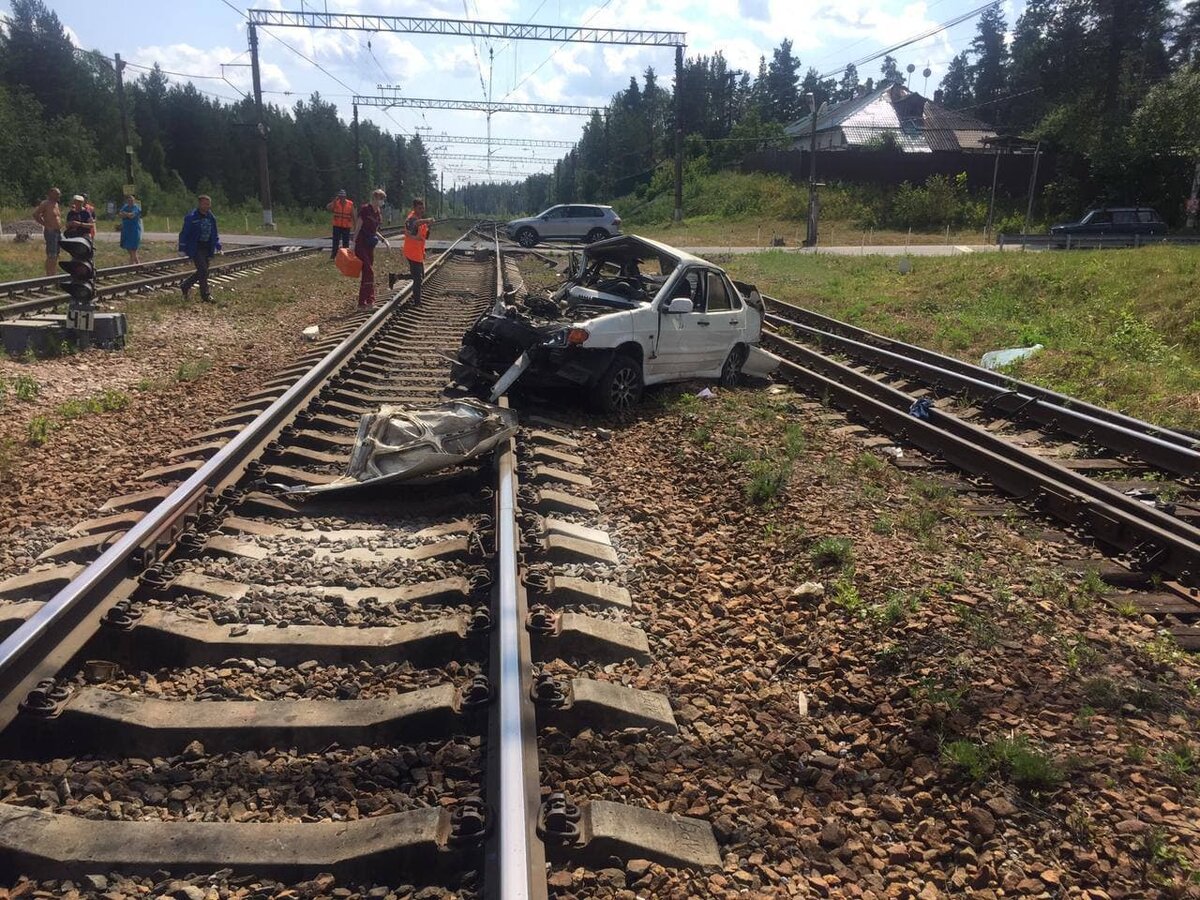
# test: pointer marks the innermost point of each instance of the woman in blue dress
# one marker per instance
(131, 227)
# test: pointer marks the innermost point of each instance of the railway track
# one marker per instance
(214, 677)
(1128, 485)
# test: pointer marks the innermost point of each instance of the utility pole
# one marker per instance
(679, 132)
(358, 166)
(1037, 155)
(442, 197)
(992, 201)
(810, 239)
(120, 67)
(264, 177)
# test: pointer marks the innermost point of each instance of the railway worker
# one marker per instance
(365, 239)
(81, 222)
(342, 208)
(131, 227)
(198, 240)
(416, 231)
(48, 214)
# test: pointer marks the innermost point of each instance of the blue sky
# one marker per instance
(196, 37)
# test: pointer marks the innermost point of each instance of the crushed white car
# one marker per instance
(634, 312)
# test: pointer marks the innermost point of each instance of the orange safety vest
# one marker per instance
(343, 213)
(414, 246)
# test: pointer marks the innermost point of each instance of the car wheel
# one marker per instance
(732, 370)
(620, 388)
(596, 234)
(527, 237)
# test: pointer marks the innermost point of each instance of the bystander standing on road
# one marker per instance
(365, 239)
(342, 208)
(416, 231)
(48, 214)
(131, 227)
(81, 222)
(198, 240)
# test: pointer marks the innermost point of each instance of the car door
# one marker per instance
(1099, 222)
(554, 223)
(683, 341)
(726, 318)
(576, 223)
(1125, 221)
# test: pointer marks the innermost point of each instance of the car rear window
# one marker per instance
(1124, 217)
(1148, 215)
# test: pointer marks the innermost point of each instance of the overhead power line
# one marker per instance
(477, 105)
(469, 28)
(481, 157)
(950, 23)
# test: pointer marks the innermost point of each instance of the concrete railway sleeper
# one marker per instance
(344, 683)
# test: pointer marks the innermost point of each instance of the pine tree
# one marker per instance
(1185, 47)
(957, 85)
(848, 86)
(989, 73)
(783, 87)
(891, 70)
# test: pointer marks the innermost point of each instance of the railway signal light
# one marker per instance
(81, 286)
(81, 268)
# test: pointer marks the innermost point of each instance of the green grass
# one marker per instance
(191, 369)
(1120, 327)
(768, 479)
(831, 552)
(1013, 758)
(25, 388)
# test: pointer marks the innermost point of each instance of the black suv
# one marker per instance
(1113, 220)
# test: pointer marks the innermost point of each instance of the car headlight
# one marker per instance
(568, 337)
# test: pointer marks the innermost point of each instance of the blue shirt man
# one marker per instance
(199, 240)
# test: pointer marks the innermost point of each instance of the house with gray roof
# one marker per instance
(892, 116)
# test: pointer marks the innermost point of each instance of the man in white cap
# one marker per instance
(342, 208)
(81, 222)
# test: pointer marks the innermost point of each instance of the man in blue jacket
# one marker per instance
(199, 241)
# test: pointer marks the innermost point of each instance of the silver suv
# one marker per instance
(566, 222)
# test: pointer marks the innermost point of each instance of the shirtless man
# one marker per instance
(49, 216)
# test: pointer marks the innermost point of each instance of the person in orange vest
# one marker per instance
(416, 231)
(342, 208)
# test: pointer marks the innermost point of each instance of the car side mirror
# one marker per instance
(680, 305)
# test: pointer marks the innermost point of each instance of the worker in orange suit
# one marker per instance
(342, 208)
(416, 231)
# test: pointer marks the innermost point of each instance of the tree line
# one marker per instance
(60, 124)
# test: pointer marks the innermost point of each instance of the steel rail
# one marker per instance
(515, 856)
(72, 615)
(43, 281)
(874, 339)
(1156, 539)
(1172, 455)
(154, 281)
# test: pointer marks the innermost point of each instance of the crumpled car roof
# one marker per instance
(399, 443)
(631, 246)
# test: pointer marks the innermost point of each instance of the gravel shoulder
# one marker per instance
(880, 693)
